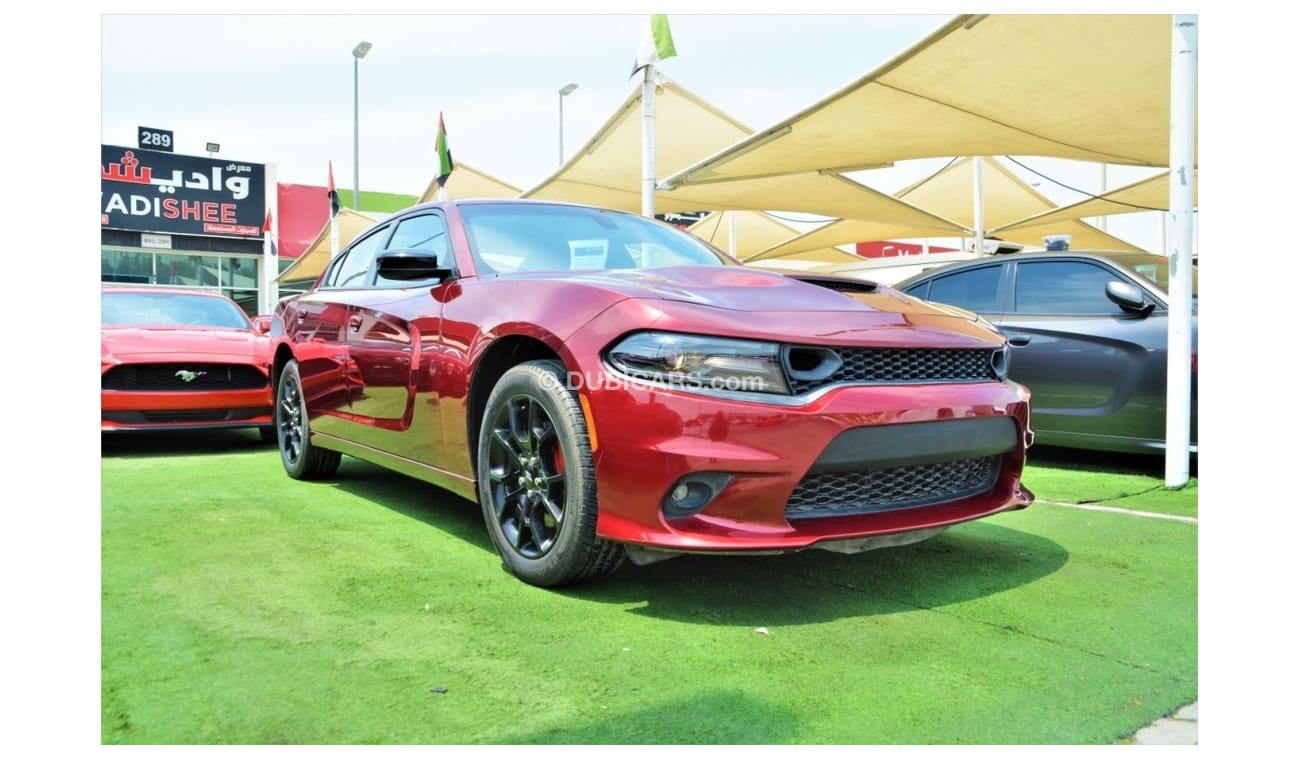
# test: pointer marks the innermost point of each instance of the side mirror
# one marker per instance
(1129, 297)
(406, 265)
(262, 324)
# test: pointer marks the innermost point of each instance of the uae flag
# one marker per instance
(266, 234)
(657, 45)
(334, 194)
(445, 165)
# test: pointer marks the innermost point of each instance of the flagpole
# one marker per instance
(648, 143)
(269, 266)
(334, 204)
(979, 206)
(334, 237)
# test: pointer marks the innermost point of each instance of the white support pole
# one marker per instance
(1101, 220)
(731, 233)
(648, 143)
(979, 205)
(268, 285)
(1182, 163)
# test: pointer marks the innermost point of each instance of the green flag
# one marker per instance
(656, 45)
(445, 164)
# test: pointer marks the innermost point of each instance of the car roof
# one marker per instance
(1119, 258)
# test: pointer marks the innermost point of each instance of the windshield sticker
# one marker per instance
(587, 254)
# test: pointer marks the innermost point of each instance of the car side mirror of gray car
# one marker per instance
(408, 265)
(1129, 297)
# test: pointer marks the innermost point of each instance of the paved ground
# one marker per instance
(1179, 728)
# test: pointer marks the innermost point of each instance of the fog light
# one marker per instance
(693, 493)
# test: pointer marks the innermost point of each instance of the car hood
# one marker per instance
(750, 302)
(155, 344)
(735, 288)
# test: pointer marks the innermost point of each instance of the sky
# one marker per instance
(287, 89)
(278, 90)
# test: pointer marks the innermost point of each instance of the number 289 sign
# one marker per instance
(156, 139)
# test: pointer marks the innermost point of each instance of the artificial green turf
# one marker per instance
(242, 607)
(1129, 481)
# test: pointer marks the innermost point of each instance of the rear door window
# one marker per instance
(972, 289)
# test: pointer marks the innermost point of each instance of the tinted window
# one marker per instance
(1064, 287)
(421, 233)
(973, 289)
(351, 271)
(509, 238)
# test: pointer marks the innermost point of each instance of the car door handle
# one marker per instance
(354, 324)
(1019, 340)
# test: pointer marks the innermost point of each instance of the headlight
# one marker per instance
(699, 362)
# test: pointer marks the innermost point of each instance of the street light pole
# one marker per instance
(358, 53)
(565, 90)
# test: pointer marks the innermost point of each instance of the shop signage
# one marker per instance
(154, 240)
(156, 139)
(189, 195)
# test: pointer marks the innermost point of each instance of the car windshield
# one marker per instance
(507, 238)
(170, 309)
(1153, 268)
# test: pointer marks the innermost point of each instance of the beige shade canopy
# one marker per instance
(1150, 194)
(757, 231)
(312, 262)
(467, 182)
(950, 192)
(606, 172)
(1088, 87)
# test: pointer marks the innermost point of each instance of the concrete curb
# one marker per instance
(1179, 728)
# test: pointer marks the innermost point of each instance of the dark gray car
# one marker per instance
(1088, 332)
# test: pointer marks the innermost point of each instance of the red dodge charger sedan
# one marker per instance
(606, 386)
(176, 359)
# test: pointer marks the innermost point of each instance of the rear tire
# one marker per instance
(301, 459)
(536, 480)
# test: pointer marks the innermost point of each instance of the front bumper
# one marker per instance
(964, 442)
(137, 410)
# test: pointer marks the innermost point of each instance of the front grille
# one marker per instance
(881, 490)
(171, 377)
(906, 365)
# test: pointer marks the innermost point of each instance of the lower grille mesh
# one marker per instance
(852, 493)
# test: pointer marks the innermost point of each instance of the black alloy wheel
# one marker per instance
(537, 484)
(301, 459)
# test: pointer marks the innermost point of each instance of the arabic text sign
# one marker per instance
(189, 195)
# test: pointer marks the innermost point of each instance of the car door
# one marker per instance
(392, 331)
(1095, 370)
(318, 329)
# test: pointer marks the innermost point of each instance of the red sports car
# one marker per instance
(174, 359)
(606, 386)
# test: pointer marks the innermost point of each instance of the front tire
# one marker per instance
(536, 480)
(301, 459)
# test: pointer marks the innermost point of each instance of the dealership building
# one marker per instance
(169, 219)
